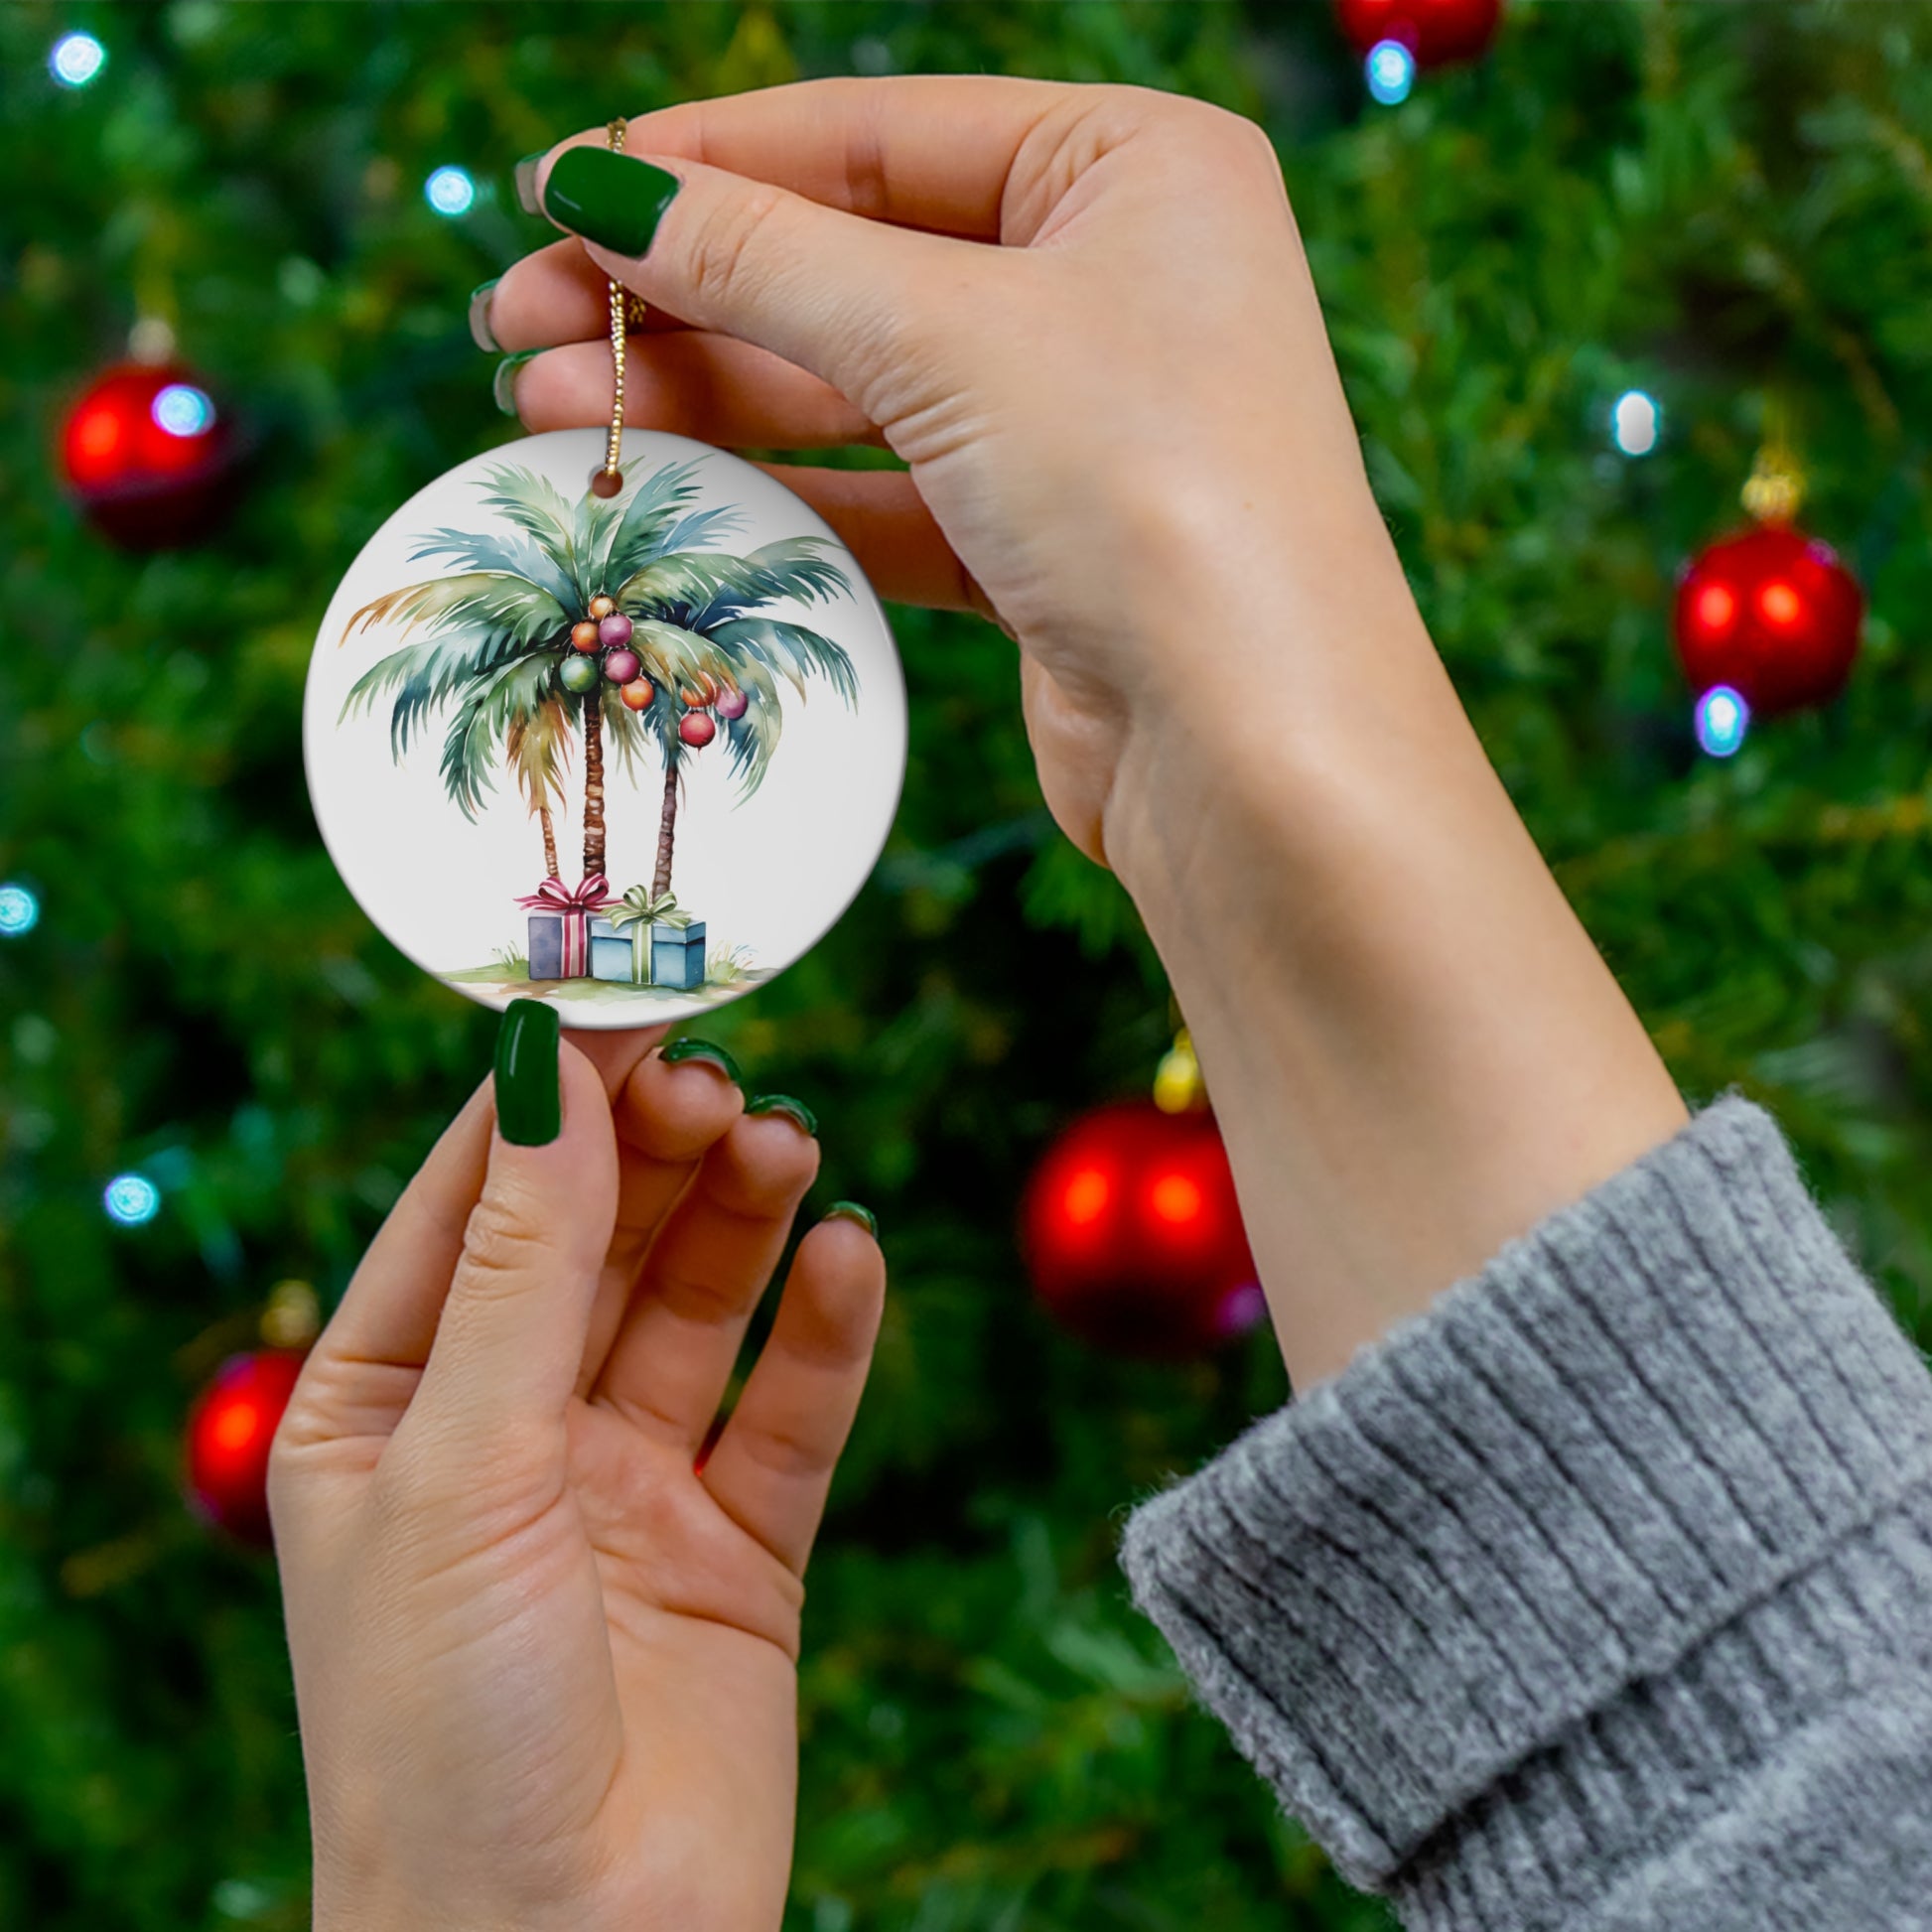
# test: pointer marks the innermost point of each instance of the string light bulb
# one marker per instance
(132, 1200)
(1390, 70)
(451, 192)
(76, 59)
(19, 910)
(1636, 422)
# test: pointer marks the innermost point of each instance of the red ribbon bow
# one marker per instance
(573, 911)
(593, 891)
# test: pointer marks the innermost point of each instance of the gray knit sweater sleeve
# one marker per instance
(1600, 1595)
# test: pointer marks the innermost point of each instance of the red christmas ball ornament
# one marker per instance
(148, 456)
(1772, 613)
(229, 1431)
(696, 729)
(1436, 32)
(1133, 1235)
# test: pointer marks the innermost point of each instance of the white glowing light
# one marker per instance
(132, 1199)
(183, 410)
(1636, 422)
(20, 912)
(450, 191)
(75, 60)
(1723, 719)
(1391, 71)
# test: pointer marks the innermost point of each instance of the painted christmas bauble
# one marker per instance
(148, 456)
(1133, 1235)
(1436, 32)
(731, 704)
(230, 1432)
(493, 804)
(1772, 613)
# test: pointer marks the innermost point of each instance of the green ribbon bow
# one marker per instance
(639, 909)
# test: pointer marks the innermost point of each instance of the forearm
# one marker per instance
(1414, 1049)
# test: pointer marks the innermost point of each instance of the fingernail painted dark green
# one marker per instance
(782, 1103)
(526, 183)
(503, 385)
(850, 1210)
(680, 1050)
(608, 198)
(529, 1098)
(479, 331)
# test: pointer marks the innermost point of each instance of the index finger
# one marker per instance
(919, 151)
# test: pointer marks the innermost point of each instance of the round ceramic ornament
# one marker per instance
(631, 750)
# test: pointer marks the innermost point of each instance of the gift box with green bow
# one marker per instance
(648, 940)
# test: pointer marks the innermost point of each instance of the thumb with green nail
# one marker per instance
(545, 1664)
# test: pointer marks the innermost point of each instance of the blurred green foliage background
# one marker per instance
(1719, 203)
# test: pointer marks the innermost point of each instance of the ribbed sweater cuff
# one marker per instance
(1512, 1523)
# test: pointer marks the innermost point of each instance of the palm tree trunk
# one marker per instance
(549, 843)
(666, 832)
(593, 782)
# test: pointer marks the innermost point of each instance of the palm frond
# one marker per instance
(701, 588)
(426, 674)
(794, 651)
(671, 654)
(537, 744)
(625, 730)
(790, 569)
(649, 516)
(751, 741)
(697, 527)
(537, 508)
(503, 551)
(491, 603)
(481, 723)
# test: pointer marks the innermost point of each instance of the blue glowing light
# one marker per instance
(450, 191)
(183, 410)
(20, 912)
(1636, 422)
(1723, 719)
(132, 1199)
(1391, 71)
(75, 60)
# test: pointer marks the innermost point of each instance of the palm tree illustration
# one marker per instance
(492, 647)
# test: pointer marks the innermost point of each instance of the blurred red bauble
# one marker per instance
(1772, 613)
(229, 1431)
(1133, 1235)
(1436, 32)
(149, 457)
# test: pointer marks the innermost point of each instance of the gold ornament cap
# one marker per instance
(1178, 1085)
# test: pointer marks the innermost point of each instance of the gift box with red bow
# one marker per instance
(560, 938)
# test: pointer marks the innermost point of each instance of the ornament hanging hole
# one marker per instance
(606, 483)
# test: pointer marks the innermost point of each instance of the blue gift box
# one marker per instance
(617, 955)
(677, 955)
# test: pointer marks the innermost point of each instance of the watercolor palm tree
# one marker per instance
(612, 620)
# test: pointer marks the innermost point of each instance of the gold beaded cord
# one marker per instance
(627, 312)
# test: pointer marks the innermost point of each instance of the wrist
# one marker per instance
(1414, 1049)
(1276, 693)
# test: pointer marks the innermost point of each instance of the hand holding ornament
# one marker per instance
(544, 1645)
